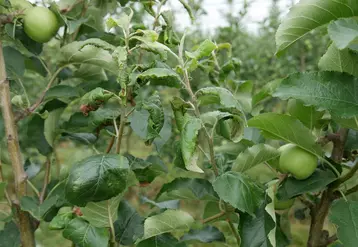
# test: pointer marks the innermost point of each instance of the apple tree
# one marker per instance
(98, 74)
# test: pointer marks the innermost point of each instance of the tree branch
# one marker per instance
(20, 177)
(46, 180)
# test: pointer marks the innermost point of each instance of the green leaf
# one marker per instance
(198, 188)
(10, 235)
(218, 95)
(266, 91)
(89, 72)
(179, 107)
(146, 170)
(163, 240)
(92, 51)
(339, 60)
(332, 91)
(344, 214)
(61, 220)
(14, 61)
(254, 229)
(228, 125)
(129, 226)
(168, 221)
(344, 32)
(308, 15)
(270, 209)
(253, 156)
(155, 47)
(84, 138)
(292, 187)
(350, 123)
(35, 208)
(62, 92)
(287, 128)
(239, 190)
(101, 214)
(105, 114)
(51, 125)
(2, 190)
(161, 76)
(139, 122)
(36, 136)
(204, 50)
(96, 96)
(97, 178)
(188, 140)
(188, 9)
(306, 114)
(207, 234)
(172, 204)
(84, 235)
(156, 117)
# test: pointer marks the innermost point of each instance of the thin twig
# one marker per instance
(111, 226)
(110, 144)
(46, 180)
(122, 123)
(32, 108)
(214, 217)
(33, 187)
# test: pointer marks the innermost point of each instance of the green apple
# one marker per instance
(283, 204)
(300, 163)
(40, 24)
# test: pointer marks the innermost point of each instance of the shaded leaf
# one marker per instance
(61, 220)
(198, 188)
(172, 204)
(306, 114)
(239, 190)
(163, 240)
(332, 91)
(168, 221)
(35, 135)
(161, 76)
(92, 51)
(253, 156)
(10, 235)
(63, 92)
(129, 226)
(254, 229)
(14, 61)
(35, 208)
(292, 187)
(218, 95)
(287, 128)
(344, 214)
(207, 234)
(156, 117)
(51, 125)
(97, 178)
(84, 138)
(84, 235)
(146, 170)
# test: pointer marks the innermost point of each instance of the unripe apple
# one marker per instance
(297, 161)
(40, 24)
